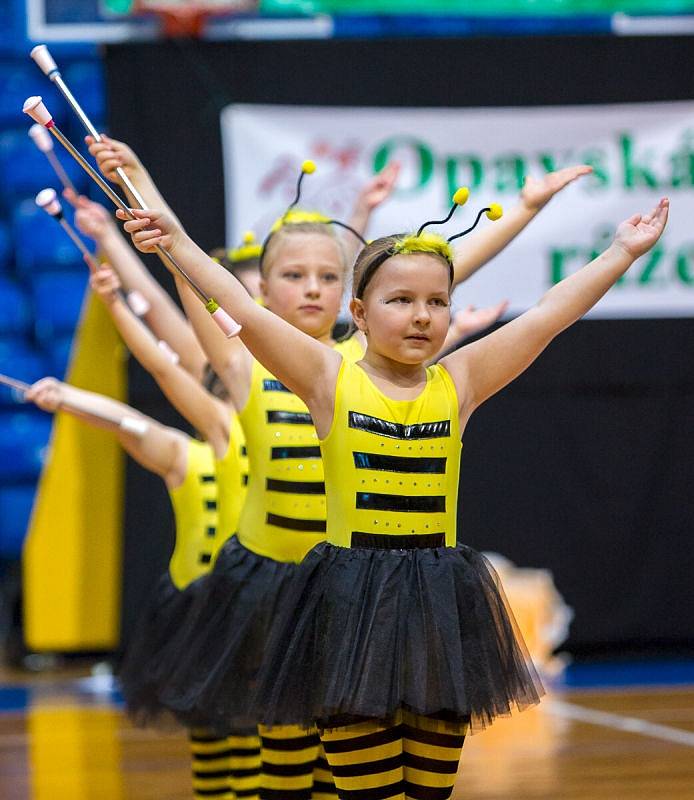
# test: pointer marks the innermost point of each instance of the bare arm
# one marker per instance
(164, 317)
(373, 194)
(230, 360)
(306, 366)
(482, 246)
(482, 368)
(110, 154)
(205, 413)
(160, 449)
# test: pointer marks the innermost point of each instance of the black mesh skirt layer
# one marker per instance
(365, 633)
(154, 630)
(204, 671)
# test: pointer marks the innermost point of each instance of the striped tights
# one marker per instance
(294, 766)
(225, 769)
(415, 758)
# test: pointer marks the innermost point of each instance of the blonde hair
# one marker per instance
(277, 236)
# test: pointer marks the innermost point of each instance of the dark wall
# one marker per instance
(583, 465)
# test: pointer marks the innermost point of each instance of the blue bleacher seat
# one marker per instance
(41, 245)
(57, 303)
(23, 438)
(15, 511)
(6, 248)
(15, 313)
(86, 82)
(20, 79)
(25, 170)
(59, 356)
(19, 360)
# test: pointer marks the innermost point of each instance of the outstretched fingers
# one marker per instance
(569, 174)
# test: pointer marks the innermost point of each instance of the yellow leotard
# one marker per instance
(391, 466)
(232, 478)
(198, 537)
(284, 514)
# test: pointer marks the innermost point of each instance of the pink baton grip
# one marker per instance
(227, 325)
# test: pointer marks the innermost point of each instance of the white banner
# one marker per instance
(639, 153)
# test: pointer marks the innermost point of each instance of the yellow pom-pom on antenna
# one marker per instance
(461, 196)
(308, 167)
(495, 212)
(248, 237)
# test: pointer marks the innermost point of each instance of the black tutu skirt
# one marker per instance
(366, 633)
(137, 674)
(204, 670)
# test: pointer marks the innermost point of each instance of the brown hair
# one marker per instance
(213, 383)
(274, 240)
(221, 256)
(373, 255)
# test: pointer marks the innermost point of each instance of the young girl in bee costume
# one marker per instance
(187, 466)
(206, 504)
(209, 668)
(394, 639)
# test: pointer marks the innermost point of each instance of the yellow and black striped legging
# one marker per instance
(412, 759)
(225, 769)
(294, 766)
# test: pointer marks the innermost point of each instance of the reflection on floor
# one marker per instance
(64, 737)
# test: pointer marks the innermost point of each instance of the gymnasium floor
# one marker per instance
(609, 733)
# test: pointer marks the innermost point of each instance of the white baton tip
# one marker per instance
(47, 199)
(134, 425)
(41, 138)
(34, 107)
(138, 303)
(228, 326)
(44, 60)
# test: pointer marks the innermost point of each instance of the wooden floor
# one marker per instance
(588, 745)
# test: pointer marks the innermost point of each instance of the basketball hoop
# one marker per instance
(187, 18)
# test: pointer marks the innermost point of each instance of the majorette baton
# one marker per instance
(42, 140)
(134, 425)
(45, 61)
(47, 65)
(35, 108)
(13, 383)
(47, 199)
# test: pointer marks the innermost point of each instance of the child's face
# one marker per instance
(250, 278)
(406, 308)
(304, 282)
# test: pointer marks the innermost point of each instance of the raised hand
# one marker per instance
(380, 187)
(91, 218)
(163, 232)
(471, 320)
(640, 232)
(537, 192)
(111, 154)
(105, 283)
(47, 394)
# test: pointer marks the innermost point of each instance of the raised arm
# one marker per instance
(481, 246)
(207, 414)
(158, 448)
(229, 358)
(373, 193)
(164, 317)
(306, 366)
(110, 154)
(482, 368)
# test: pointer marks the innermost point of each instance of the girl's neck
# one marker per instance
(395, 372)
(327, 338)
